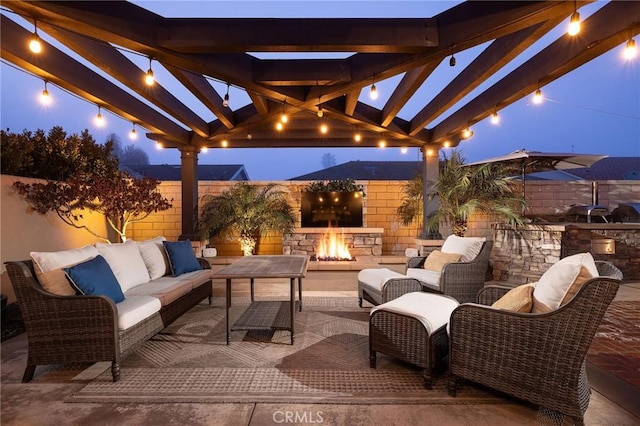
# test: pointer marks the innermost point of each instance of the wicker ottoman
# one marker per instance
(381, 285)
(412, 328)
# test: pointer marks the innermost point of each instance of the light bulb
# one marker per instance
(225, 102)
(284, 118)
(225, 143)
(159, 146)
(133, 135)
(382, 143)
(630, 49)
(320, 112)
(467, 133)
(279, 126)
(537, 97)
(249, 136)
(404, 150)
(324, 128)
(373, 93)
(446, 144)
(204, 150)
(357, 137)
(99, 119)
(34, 44)
(45, 98)
(574, 24)
(452, 61)
(495, 118)
(148, 78)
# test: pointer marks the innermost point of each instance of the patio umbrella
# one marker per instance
(536, 161)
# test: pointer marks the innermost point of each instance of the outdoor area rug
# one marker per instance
(328, 363)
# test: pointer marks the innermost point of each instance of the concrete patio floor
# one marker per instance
(42, 403)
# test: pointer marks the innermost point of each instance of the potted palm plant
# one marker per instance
(246, 212)
(462, 191)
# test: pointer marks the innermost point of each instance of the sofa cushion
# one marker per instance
(94, 277)
(425, 276)
(197, 278)
(181, 257)
(518, 299)
(467, 247)
(132, 310)
(164, 290)
(432, 310)
(154, 257)
(48, 267)
(437, 259)
(126, 262)
(377, 277)
(562, 280)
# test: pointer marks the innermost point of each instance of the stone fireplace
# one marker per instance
(360, 241)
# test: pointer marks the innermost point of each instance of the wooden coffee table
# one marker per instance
(265, 314)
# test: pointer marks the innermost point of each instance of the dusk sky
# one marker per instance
(594, 109)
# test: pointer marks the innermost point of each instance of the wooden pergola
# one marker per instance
(196, 50)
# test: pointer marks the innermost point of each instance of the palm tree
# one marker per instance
(462, 191)
(247, 212)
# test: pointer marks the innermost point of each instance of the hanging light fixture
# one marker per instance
(224, 143)
(99, 118)
(537, 97)
(495, 118)
(159, 146)
(467, 133)
(574, 22)
(35, 45)
(133, 135)
(452, 59)
(373, 92)
(630, 49)
(225, 102)
(204, 150)
(446, 144)
(382, 143)
(324, 129)
(45, 99)
(148, 78)
(284, 117)
(279, 126)
(320, 111)
(404, 150)
(357, 136)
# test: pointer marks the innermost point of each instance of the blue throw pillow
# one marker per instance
(95, 277)
(181, 257)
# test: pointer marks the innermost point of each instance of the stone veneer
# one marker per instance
(360, 241)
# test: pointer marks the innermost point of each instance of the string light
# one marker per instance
(452, 60)
(283, 117)
(35, 45)
(148, 78)
(537, 97)
(404, 150)
(357, 136)
(373, 92)
(225, 102)
(630, 49)
(320, 111)
(99, 119)
(467, 133)
(324, 129)
(574, 23)
(382, 143)
(45, 99)
(446, 144)
(495, 118)
(204, 150)
(159, 146)
(133, 135)
(224, 143)
(279, 126)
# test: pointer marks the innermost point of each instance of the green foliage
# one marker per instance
(338, 185)
(247, 212)
(120, 198)
(462, 191)
(55, 155)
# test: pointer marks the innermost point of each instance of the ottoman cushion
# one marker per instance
(376, 278)
(432, 310)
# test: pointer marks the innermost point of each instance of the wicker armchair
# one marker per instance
(460, 280)
(78, 329)
(540, 358)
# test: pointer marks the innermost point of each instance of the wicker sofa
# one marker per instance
(74, 328)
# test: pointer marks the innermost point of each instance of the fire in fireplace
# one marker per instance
(332, 246)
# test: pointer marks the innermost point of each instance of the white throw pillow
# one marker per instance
(467, 247)
(48, 267)
(125, 262)
(154, 257)
(562, 280)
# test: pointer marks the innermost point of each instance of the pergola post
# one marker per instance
(430, 170)
(189, 168)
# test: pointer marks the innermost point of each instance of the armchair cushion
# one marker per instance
(125, 262)
(95, 277)
(467, 247)
(519, 299)
(562, 280)
(377, 278)
(181, 257)
(430, 278)
(437, 259)
(48, 267)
